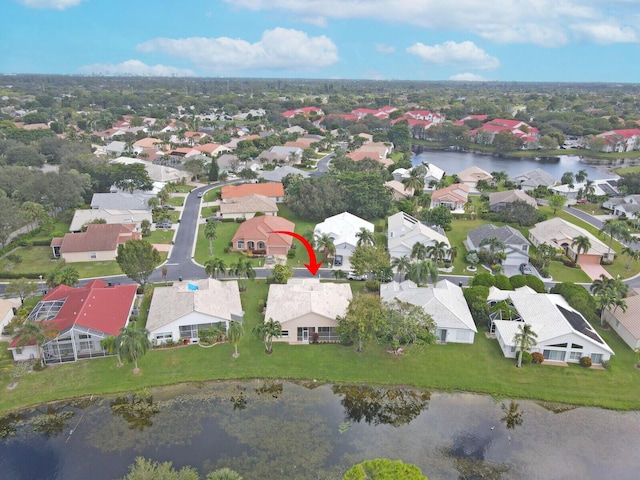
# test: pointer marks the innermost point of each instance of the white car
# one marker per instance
(354, 276)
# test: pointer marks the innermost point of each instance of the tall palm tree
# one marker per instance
(414, 182)
(266, 331)
(632, 255)
(365, 237)
(134, 343)
(600, 284)
(525, 338)
(111, 345)
(325, 243)
(419, 251)
(235, 334)
(500, 176)
(210, 234)
(338, 274)
(421, 272)
(35, 332)
(581, 176)
(215, 267)
(493, 243)
(614, 230)
(238, 269)
(249, 272)
(401, 265)
(453, 253)
(581, 244)
(437, 252)
(609, 292)
(163, 195)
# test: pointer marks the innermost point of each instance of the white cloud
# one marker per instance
(382, 48)
(136, 68)
(55, 4)
(605, 34)
(278, 49)
(540, 22)
(464, 54)
(467, 77)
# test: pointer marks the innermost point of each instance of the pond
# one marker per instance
(453, 162)
(308, 430)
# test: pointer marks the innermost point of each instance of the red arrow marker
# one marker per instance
(312, 266)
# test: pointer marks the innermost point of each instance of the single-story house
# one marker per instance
(83, 218)
(404, 231)
(6, 312)
(304, 307)
(99, 243)
(563, 333)
(626, 323)
(534, 178)
(287, 152)
(256, 235)
(278, 173)
(472, 175)
(516, 246)
(398, 190)
(272, 190)
(626, 206)
(157, 173)
(499, 200)
(117, 148)
(80, 318)
(573, 192)
(561, 234)
(342, 229)
(454, 197)
(181, 311)
(247, 207)
(121, 201)
(445, 303)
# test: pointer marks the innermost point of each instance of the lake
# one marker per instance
(452, 162)
(308, 430)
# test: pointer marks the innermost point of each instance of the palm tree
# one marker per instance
(419, 251)
(134, 343)
(249, 272)
(235, 334)
(581, 176)
(401, 265)
(35, 332)
(163, 196)
(215, 267)
(525, 338)
(493, 243)
(609, 292)
(414, 182)
(69, 276)
(266, 331)
(365, 237)
(500, 176)
(581, 244)
(210, 234)
(338, 274)
(613, 229)
(631, 256)
(153, 203)
(421, 272)
(325, 243)
(453, 253)
(437, 251)
(600, 284)
(111, 345)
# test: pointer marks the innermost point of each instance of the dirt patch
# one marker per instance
(13, 385)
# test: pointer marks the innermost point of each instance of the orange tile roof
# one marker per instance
(270, 189)
(97, 238)
(260, 228)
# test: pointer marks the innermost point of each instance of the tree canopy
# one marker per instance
(138, 259)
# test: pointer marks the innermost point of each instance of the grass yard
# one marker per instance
(627, 170)
(591, 208)
(454, 367)
(183, 188)
(177, 201)
(160, 236)
(35, 260)
(225, 232)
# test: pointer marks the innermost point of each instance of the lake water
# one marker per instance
(283, 430)
(453, 162)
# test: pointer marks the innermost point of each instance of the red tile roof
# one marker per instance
(97, 238)
(270, 189)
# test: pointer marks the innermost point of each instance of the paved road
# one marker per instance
(322, 166)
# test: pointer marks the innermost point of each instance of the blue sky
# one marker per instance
(502, 40)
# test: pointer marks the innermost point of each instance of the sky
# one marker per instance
(432, 40)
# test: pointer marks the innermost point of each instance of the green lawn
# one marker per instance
(160, 236)
(225, 232)
(183, 188)
(454, 367)
(627, 170)
(176, 201)
(591, 208)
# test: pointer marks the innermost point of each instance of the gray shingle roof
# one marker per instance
(506, 234)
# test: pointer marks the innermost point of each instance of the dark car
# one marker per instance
(164, 224)
(168, 207)
(525, 269)
(337, 261)
(211, 219)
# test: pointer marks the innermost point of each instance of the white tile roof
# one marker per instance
(343, 228)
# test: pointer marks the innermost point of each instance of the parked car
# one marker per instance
(168, 207)
(582, 200)
(164, 224)
(337, 261)
(354, 276)
(211, 219)
(525, 269)
(200, 194)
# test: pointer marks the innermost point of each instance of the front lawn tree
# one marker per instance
(582, 244)
(266, 331)
(525, 339)
(362, 320)
(35, 332)
(22, 288)
(406, 324)
(210, 234)
(134, 343)
(138, 259)
(557, 201)
(235, 334)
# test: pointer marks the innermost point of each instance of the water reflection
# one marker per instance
(512, 415)
(136, 409)
(381, 406)
(52, 421)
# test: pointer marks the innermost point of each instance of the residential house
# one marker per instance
(563, 334)
(274, 191)
(6, 312)
(256, 236)
(305, 307)
(561, 234)
(498, 201)
(179, 313)
(305, 111)
(157, 173)
(99, 243)
(287, 152)
(516, 246)
(149, 142)
(404, 231)
(526, 133)
(454, 197)
(120, 201)
(374, 150)
(626, 206)
(212, 149)
(624, 140)
(398, 190)
(343, 229)
(278, 173)
(626, 322)
(534, 178)
(472, 175)
(80, 317)
(247, 207)
(572, 192)
(120, 148)
(445, 303)
(432, 176)
(82, 218)
(481, 118)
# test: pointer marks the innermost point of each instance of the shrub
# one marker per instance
(526, 358)
(586, 362)
(537, 357)
(535, 283)
(226, 249)
(483, 279)
(372, 285)
(291, 253)
(14, 257)
(518, 281)
(544, 272)
(502, 282)
(261, 305)
(606, 364)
